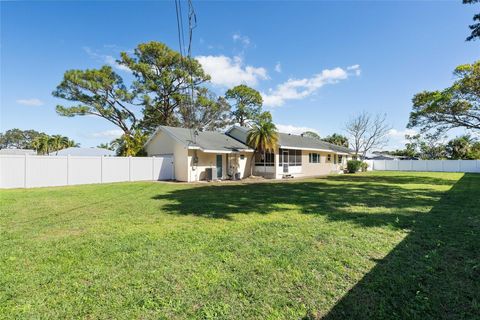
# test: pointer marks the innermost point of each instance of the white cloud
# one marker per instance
(107, 134)
(237, 37)
(278, 67)
(111, 61)
(108, 59)
(397, 138)
(34, 102)
(355, 69)
(295, 89)
(229, 72)
(401, 133)
(288, 128)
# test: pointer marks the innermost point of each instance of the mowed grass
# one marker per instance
(378, 245)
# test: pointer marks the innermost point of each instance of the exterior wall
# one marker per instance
(197, 172)
(240, 165)
(180, 160)
(315, 169)
(161, 144)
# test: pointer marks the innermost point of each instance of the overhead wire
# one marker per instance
(186, 53)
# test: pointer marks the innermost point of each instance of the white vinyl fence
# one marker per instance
(425, 165)
(18, 171)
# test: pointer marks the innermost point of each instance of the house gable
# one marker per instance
(160, 144)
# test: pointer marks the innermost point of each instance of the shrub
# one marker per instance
(364, 166)
(354, 165)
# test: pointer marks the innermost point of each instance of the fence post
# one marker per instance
(68, 169)
(129, 168)
(411, 165)
(101, 169)
(443, 166)
(153, 168)
(25, 170)
(459, 165)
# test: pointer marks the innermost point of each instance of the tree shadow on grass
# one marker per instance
(434, 273)
(335, 201)
(393, 179)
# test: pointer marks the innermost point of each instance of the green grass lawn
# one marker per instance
(367, 246)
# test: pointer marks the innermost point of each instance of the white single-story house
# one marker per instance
(207, 155)
(212, 155)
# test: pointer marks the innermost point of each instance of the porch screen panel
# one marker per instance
(294, 157)
(267, 159)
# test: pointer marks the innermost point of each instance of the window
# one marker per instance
(329, 158)
(264, 159)
(340, 158)
(242, 156)
(294, 157)
(313, 158)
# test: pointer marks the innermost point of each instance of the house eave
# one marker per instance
(222, 151)
(314, 149)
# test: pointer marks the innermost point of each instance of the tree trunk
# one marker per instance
(252, 163)
(264, 162)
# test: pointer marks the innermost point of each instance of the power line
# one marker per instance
(186, 52)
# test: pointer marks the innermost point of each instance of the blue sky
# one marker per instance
(316, 63)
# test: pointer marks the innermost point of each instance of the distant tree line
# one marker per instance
(336, 138)
(431, 147)
(31, 139)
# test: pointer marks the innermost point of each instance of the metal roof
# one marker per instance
(207, 141)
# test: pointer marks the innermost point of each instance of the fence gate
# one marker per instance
(166, 170)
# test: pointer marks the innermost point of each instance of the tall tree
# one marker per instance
(337, 139)
(475, 28)
(366, 132)
(247, 102)
(101, 93)
(18, 139)
(164, 79)
(460, 147)
(311, 134)
(457, 106)
(208, 112)
(428, 146)
(262, 138)
(42, 144)
(131, 145)
(58, 142)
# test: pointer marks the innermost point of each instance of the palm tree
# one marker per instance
(262, 137)
(107, 146)
(58, 142)
(42, 144)
(72, 144)
(130, 145)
